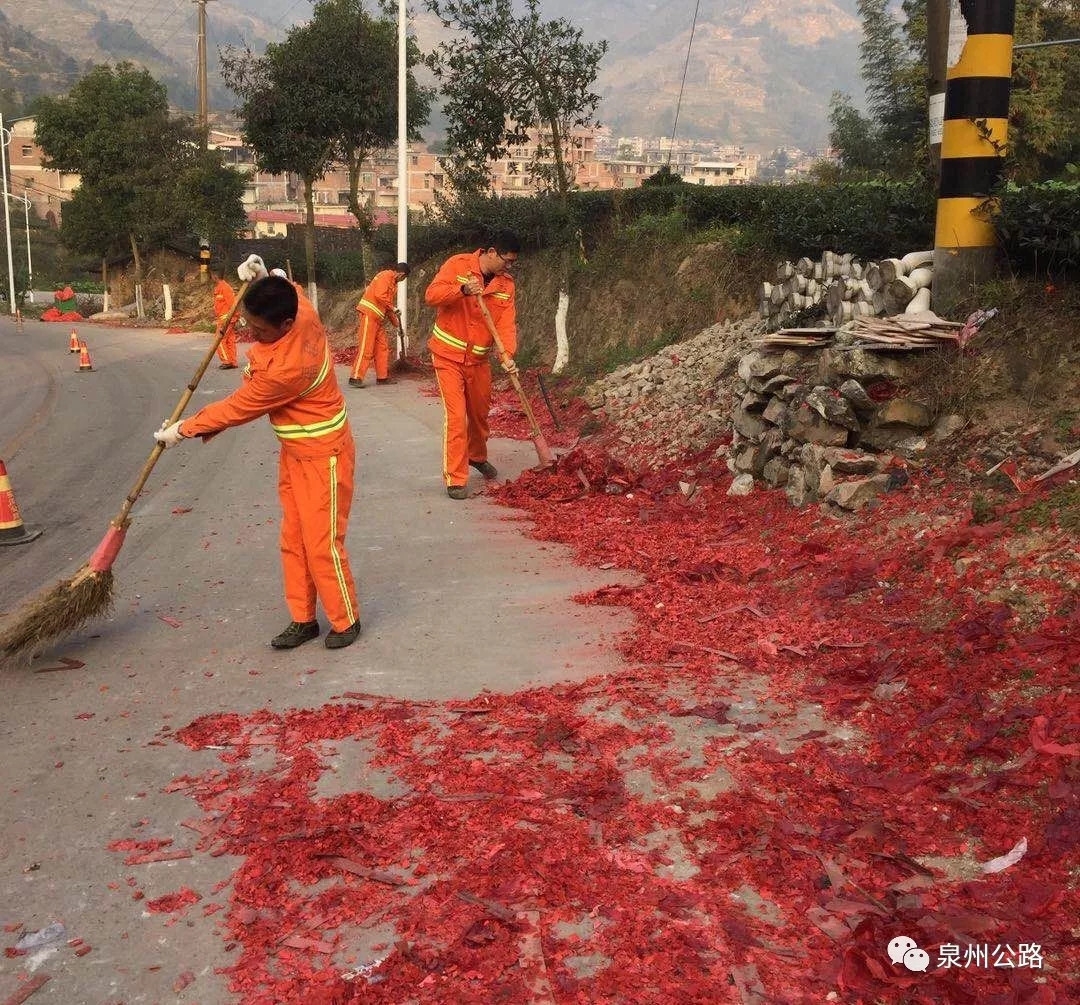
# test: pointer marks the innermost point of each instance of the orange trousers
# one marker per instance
(226, 349)
(316, 496)
(371, 346)
(465, 389)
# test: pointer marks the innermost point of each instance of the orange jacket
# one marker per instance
(223, 300)
(460, 332)
(379, 297)
(293, 382)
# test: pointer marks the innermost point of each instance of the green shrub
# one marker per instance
(1039, 226)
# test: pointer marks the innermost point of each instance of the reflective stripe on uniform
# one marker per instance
(456, 343)
(371, 307)
(338, 570)
(301, 432)
(499, 296)
(322, 374)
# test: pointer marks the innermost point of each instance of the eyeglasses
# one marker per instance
(508, 262)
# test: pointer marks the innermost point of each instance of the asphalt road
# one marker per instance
(455, 598)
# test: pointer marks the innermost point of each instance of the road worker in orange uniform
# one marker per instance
(290, 378)
(375, 310)
(224, 297)
(460, 347)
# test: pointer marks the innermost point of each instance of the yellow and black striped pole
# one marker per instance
(973, 141)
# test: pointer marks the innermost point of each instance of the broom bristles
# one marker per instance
(58, 611)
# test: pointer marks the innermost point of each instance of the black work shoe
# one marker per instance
(227, 366)
(386, 380)
(339, 640)
(353, 382)
(486, 468)
(457, 491)
(296, 634)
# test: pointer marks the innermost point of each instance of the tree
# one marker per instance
(358, 53)
(1044, 115)
(328, 93)
(506, 80)
(136, 163)
(509, 78)
(281, 94)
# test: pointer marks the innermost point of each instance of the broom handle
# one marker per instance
(121, 518)
(503, 357)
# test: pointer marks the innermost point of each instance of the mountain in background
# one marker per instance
(157, 34)
(30, 67)
(761, 72)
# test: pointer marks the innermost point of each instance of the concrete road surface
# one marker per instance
(455, 598)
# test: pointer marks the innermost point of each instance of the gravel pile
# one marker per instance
(680, 400)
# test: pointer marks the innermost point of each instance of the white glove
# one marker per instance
(169, 436)
(251, 269)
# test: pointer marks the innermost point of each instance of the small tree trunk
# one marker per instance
(364, 214)
(105, 283)
(138, 260)
(309, 235)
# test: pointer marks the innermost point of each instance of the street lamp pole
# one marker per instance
(29, 260)
(403, 169)
(5, 136)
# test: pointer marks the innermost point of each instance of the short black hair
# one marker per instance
(403, 267)
(273, 299)
(506, 241)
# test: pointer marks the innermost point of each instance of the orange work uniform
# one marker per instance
(376, 307)
(223, 301)
(460, 345)
(292, 381)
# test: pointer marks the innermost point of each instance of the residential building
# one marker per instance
(46, 188)
(717, 173)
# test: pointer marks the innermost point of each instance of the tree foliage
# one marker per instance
(507, 78)
(144, 179)
(327, 94)
(890, 139)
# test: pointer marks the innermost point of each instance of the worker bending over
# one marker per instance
(290, 378)
(224, 297)
(376, 310)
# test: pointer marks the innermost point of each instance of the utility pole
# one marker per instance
(204, 128)
(937, 47)
(974, 135)
(204, 105)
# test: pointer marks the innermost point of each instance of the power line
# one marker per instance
(286, 14)
(682, 86)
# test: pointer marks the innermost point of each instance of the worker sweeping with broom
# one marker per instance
(461, 341)
(290, 378)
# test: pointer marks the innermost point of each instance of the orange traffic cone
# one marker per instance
(12, 530)
(84, 358)
(73, 342)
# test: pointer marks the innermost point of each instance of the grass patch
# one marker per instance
(611, 357)
(1060, 507)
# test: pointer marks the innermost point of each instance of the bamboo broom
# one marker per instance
(542, 449)
(71, 603)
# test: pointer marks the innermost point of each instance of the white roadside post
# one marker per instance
(5, 137)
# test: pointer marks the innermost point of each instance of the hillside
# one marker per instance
(760, 73)
(160, 36)
(30, 67)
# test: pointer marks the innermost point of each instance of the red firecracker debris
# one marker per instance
(819, 734)
(173, 901)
